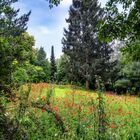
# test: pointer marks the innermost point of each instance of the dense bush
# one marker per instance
(122, 85)
(131, 79)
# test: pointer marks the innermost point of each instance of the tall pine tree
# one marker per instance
(10, 23)
(53, 65)
(71, 41)
(88, 55)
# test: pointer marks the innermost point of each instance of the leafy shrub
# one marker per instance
(131, 74)
(122, 85)
(20, 75)
(132, 70)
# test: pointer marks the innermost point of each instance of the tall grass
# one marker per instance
(76, 114)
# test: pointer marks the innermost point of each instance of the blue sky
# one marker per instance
(45, 24)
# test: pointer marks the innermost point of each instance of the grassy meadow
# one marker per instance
(78, 111)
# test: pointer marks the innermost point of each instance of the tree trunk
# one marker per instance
(87, 85)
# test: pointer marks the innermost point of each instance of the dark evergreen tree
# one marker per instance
(10, 23)
(53, 65)
(41, 54)
(88, 55)
(71, 41)
(41, 57)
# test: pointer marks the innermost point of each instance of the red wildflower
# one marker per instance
(123, 124)
(113, 125)
(128, 113)
(55, 108)
(120, 110)
(43, 110)
(69, 104)
(91, 109)
(89, 126)
(80, 108)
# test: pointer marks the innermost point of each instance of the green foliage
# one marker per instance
(123, 83)
(39, 74)
(15, 48)
(49, 94)
(12, 124)
(29, 68)
(35, 73)
(88, 56)
(132, 70)
(131, 61)
(23, 49)
(12, 46)
(53, 65)
(124, 25)
(42, 62)
(131, 52)
(85, 115)
(41, 55)
(20, 75)
(53, 2)
(11, 24)
(62, 64)
(101, 126)
(5, 61)
(121, 24)
(122, 86)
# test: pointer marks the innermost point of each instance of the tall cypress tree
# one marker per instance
(88, 55)
(53, 65)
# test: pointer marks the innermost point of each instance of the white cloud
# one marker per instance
(46, 38)
(66, 3)
(103, 2)
(44, 30)
(45, 24)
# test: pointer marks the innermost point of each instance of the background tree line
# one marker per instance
(87, 47)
